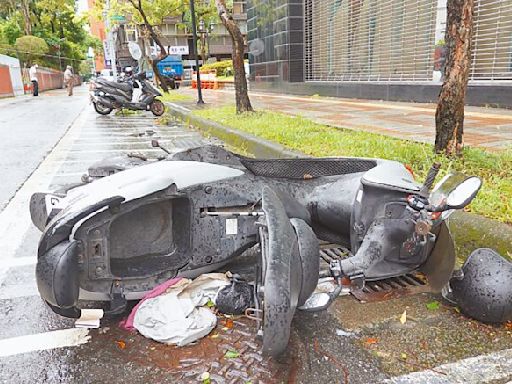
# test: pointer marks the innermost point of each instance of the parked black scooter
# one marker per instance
(108, 95)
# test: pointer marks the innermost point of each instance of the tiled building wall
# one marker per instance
(275, 32)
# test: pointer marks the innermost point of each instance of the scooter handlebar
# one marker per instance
(431, 176)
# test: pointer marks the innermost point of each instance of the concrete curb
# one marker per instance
(470, 231)
(254, 145)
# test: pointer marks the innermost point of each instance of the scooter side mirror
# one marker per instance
(463, 193)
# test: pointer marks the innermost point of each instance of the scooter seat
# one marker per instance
(122, 86)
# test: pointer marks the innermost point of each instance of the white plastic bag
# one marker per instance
(178, 316)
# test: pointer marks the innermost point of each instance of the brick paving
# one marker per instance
(489, 128)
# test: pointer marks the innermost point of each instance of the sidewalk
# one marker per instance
(489, 128)
(5, 101)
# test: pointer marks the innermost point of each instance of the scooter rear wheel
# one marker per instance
(102, 110)
(157, 107)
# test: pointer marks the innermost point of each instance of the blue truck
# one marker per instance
(171, 65)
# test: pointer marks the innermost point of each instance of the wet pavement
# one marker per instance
(489, 128)
(30, 127)
(350, 343)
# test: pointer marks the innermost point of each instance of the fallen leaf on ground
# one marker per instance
(229, 323)
(231, 354)
(121, 344)
(433, 305)
(403, 355)
(403, 318)
(381, 354)
(214, 336)
(210, 303)
(205, 377)
(371, 340)
(508, 325)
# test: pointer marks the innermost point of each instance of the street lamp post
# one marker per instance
(204, 33)
(58, 47)
(205, 38)
(194, 49)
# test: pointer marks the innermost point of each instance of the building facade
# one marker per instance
(377, 49)
(97, 29)
(214, 44)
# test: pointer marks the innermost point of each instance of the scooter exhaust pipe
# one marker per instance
(105, 102)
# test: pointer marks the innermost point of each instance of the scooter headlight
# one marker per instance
(101, 93)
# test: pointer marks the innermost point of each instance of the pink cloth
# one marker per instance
(127, 324)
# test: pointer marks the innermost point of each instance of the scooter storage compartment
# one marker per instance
(150, 239)
(138, 240)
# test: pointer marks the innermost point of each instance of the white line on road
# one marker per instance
(19, 261)
(15, 218)
(44, 341)
(120, 150)
(474, 370)
(70, 174)
(14, 291)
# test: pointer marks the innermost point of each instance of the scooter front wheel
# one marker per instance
(102, 110)
(157, 107)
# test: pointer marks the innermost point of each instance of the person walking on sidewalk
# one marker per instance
(32, 72)
(69, 79)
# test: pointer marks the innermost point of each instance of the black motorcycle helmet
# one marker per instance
(483, 288)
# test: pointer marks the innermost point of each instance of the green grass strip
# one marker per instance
(174, 96)
(299, 133)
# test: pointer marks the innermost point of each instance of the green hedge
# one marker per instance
(223, 68)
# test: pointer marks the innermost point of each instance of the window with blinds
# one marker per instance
(492, 40)
(369, 40)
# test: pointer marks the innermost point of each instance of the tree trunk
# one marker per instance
(243, 104)
(450, 107)
(156, 39)
(26, 17)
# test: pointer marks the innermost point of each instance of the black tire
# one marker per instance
(157, 107)
(102, 110)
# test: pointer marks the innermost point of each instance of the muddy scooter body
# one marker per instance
(117, 237)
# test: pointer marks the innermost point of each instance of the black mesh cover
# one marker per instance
(307, 168)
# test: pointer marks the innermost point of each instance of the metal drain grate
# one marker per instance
(333, 252)
(392, 288)
(381, 290)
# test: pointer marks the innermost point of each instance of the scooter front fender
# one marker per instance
(439, 266)
(57, 275)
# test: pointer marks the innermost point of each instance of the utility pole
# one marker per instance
(194, 49)
(110, 40)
